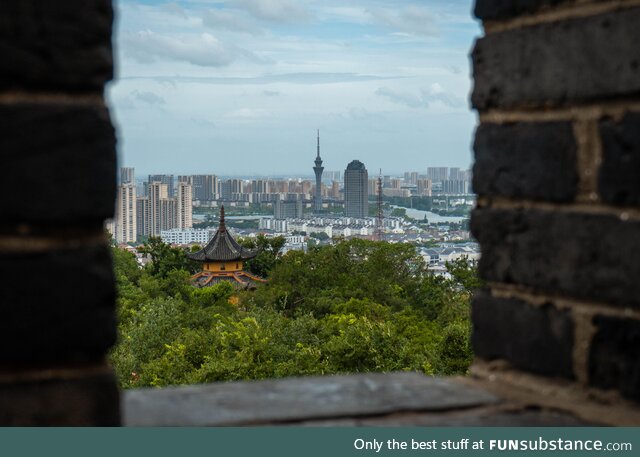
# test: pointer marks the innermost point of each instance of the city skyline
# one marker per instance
(240, 87)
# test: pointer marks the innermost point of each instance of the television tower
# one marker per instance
(318, 169)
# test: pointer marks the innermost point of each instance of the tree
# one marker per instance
(355, 306)
(269, 252)
(165, 258)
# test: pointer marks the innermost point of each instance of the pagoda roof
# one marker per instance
(239, 279)
(222, 247)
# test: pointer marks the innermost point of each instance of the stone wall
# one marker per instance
(557, 172)
(57, 187)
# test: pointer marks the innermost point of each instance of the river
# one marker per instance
(433, 218)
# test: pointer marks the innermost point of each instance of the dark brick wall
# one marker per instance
(536, 161)
(559, 62)
(57, 188)
(533, 338)
(619, 177)
(557, 172)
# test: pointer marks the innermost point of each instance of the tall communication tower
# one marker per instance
(379, 215)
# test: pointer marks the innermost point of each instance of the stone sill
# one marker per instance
(393, 399)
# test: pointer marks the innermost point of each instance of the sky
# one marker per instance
(240, 87)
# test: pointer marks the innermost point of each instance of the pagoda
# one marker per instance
(223, 260)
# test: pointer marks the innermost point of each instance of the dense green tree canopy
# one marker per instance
(351, 307)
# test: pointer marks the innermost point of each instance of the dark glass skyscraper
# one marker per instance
(318, 169)
(356, 190)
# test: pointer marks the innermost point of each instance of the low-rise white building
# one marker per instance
(187, 236)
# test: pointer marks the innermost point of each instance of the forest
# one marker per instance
(354, 306)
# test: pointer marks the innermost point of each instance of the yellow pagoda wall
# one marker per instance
(223, 266)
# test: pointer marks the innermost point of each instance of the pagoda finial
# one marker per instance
(318, 142)
(223, 227)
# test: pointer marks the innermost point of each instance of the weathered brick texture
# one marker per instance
(59, 164)
(614, 357)
(503, 9)
(58, 186)
(533, 338)
(526, 160)
(559, 62)
(56, 306)
(619, 178)
(579, 255)
(63, 45)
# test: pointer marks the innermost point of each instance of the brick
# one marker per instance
(55, 45)
(92, 400)
(618, 181)
(526, 160)
(533, 338)
(614, 356)
(590, 256)
(56, 306)
(504, 9)
(60, 160)
(555, 63)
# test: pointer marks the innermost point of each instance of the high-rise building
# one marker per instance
(395, 183)
(332, 175)
(437, 174)
(127, 175)
(260, 186)
(288, 209)
(206, 188)
(373, 186)
(158, 217)
(125, 217)
(142, 216)
(335, 189)
(168, 215)
(423, 187)
(231, 189)
(410, 177)
(455, 174)
(164, 179)
(455, 187)
(356, 195)
(184, 206)
(318, 169)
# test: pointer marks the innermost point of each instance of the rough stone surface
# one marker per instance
(296, 399)
(559, 62)
(538, 339)
(55, 45)
(590, 256)
(618, 181)
(502, 9)
(526, 160)
(92, 400)
(56, 306)
(59, 164)
(614, 357)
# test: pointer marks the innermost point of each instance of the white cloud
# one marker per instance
(414, 20)
(247, 113)
(276, 10)
(203, 50)
(403, 98)
(435, 93)
(231, 21)
(148, 97)
(175, 9)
